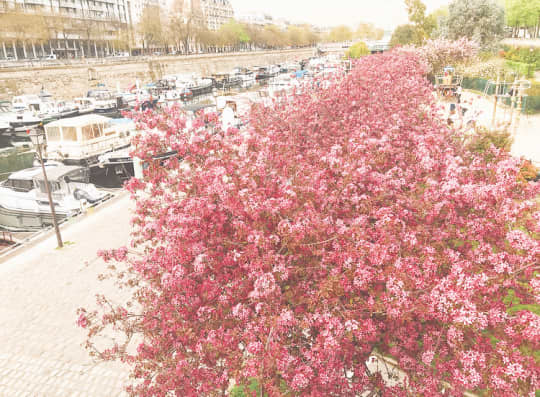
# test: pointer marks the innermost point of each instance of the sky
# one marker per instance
(386, 14)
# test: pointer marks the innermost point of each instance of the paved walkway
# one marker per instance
(40, 291)
(525, 131)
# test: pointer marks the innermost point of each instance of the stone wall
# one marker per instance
(74, 80)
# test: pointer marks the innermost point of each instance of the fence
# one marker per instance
(531, 103)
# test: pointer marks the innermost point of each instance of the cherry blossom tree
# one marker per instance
(438, 53)
(343, 221)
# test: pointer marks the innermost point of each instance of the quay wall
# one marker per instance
(72, 80)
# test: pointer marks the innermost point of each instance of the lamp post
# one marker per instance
(37, 139)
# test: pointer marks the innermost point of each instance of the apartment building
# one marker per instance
(65, 28)
(216, 12)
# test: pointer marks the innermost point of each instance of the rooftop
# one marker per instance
(79, 121)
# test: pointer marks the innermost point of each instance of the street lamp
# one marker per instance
(38, 138)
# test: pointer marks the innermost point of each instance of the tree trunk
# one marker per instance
(82, 48)
(4, 49)
(95, 49)
(42, 49)
(24, 50)
(15, 51)
(34, 49)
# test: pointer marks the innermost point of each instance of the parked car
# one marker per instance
(121, 54)
(50, 57)
(10, 58)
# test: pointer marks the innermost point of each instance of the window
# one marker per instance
(80, 176)
(92, 131)
(54, 186)
(69, 134)
(53, 134)
(19, 185)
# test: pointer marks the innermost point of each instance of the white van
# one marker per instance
(50, 57)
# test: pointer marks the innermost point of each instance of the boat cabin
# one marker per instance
(80, 140)
(62, 180)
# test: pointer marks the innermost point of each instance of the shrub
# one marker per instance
(357, 50)
(484, 138)
(521, 68)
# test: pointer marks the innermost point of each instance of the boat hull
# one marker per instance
(20, 220)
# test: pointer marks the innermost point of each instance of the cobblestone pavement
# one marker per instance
(40, 291)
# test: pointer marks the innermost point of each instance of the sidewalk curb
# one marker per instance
(43, 235)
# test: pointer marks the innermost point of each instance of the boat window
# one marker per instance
(53, 134)
(99, 131)
(54, 186)
(80, 176)
(69, 134)
(20, 185)
(92, 131)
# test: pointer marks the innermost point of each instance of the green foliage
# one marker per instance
(357, 50)
(423, 25)
(484, 138)
(521, 68)
(403, 35)
(245, 391)
(532, 100)
(368, 31)
(521, 13)
(513, 304)
(150, 26)
(340, 33)
(480, 20)
(524, 55)
(233, 33)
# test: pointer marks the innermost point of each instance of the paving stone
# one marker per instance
(40, 344)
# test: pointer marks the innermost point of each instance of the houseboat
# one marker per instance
(81, 140)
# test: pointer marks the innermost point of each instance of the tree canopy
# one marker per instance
(523, 13)
(368, 31)
(340, 33)
(481, 20)
(344, 220)
(357, 50)
(403, 35)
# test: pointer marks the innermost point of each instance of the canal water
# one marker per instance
(14, 159)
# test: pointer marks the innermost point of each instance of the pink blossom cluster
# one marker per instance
(343, 221)
(438, 53)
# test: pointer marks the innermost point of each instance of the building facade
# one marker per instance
(216, 12)
(63, 28)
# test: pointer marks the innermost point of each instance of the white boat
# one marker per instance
(24, 204)
(43, 106)
(246, 76)
(281, 85)
(81, 140)
(12, 121)
(5, 117)
(104, 101)
(85, 105)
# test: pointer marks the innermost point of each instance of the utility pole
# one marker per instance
(37, 140)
